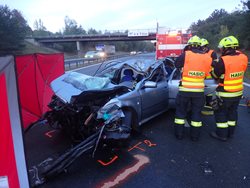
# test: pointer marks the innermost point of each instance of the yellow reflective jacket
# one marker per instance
(196, 67)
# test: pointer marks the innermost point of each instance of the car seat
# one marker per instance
(127, 75)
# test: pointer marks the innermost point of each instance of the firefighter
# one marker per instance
(207, 110)
(196, 65)
(229, 70)
(205, 48)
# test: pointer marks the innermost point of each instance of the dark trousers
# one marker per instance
(226, 113)
(189, 105)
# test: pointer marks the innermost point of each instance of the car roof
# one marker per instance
(140, 65)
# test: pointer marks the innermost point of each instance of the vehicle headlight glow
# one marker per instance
(102, 54)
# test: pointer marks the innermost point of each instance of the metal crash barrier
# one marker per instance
(70, 64)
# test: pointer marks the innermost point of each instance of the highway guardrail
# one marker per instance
(70, 64)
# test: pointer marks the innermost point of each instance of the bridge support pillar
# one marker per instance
(79, 47)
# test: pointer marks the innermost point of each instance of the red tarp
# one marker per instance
(13, 170)
(35, 73)
(7, 156)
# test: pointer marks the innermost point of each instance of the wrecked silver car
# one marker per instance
(107, 107)
(139, 90)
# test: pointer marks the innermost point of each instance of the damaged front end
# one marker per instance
(104, 125)
(87, 113)
(114, 116)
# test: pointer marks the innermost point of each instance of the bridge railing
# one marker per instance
(75, 63)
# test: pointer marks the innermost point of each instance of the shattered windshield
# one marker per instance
(85, 82)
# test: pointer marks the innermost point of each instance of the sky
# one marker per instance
(118, 14)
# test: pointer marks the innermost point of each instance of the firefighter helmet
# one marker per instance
(204, 42)
(228, 42)
(194, 41)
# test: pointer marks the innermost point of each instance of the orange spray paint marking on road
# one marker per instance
(136, 146)
(142, 160)
(48, 134)
(149, 143)
(108, 163)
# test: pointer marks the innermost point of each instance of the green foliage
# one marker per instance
(40, 30)
(221, 24)
(13, 29)
(71, 27)
(92, 31)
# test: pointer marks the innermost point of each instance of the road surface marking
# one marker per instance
(48, 134)
(108, 163)
(142, 160)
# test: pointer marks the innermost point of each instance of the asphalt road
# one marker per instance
(153, 157)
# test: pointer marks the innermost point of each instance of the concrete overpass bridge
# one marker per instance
(133, 35)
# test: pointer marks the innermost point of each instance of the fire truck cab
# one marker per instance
(170, 43)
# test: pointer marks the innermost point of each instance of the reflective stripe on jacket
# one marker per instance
(235, 67)
(196, 68)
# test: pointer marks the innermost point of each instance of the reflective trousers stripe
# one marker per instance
(179, 121)
(231, 123)
(222, 125)
(229, 94)
(196, 123)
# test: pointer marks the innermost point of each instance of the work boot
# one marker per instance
(220, 134)
(231, 131)
(194, 133)
(179, 131)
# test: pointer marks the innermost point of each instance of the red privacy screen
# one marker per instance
(35, 73)
(7, 157)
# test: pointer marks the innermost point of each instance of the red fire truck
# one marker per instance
(170, 43)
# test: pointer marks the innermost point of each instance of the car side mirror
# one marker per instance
(150, 84)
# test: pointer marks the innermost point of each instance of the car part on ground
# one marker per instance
(50, 167)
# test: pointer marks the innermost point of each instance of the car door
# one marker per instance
(154, 100)
(173, 84)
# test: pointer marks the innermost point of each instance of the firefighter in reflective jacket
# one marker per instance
(196, 65)
(229, 70)
(205, 48)
(207, 110)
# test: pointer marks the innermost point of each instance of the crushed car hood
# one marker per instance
(73, 83)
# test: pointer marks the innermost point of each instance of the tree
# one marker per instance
(221, 24)
(13, 29)
(40, 29)
(246, 5)
(71, 27)
(92, 31)
(38, 25)
(223, 31)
